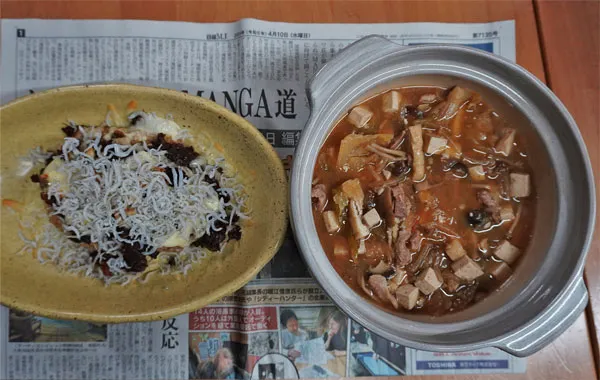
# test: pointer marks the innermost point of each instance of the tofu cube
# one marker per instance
(455, 250)
(500, 271)
(331, 221)
(477, 173)
(353, 190)
(341, 247)
(360, 116)
(407, 296)
(506, 212)
(506, 142)
(371, 218)
(428, 281)
(507, 252)
(391, 102)
(436, 145)
(466, 269)
(519, 185)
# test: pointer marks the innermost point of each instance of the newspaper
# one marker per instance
(281, 325)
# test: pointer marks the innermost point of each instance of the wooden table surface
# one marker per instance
(558, 41)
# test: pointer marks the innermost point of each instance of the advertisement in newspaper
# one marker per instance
(272, 328)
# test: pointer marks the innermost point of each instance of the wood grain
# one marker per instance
(570, 356)
(572, 55)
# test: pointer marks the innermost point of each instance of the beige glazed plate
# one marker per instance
(36, 120)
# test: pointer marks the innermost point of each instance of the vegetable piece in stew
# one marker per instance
(423, 199)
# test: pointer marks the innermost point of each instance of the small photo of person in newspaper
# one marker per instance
(372, 355)
(315, 339)
(218, 356)
(218, 367)
(291, 333)
(335, 337)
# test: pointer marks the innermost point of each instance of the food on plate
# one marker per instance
(423, 199)
(131, 196)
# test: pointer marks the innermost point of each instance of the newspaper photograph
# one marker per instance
(281, 325)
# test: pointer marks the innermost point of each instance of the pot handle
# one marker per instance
(347, 61)
(550, 324)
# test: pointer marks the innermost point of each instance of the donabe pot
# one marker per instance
(546, 293)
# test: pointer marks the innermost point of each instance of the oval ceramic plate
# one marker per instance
(28, 285)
